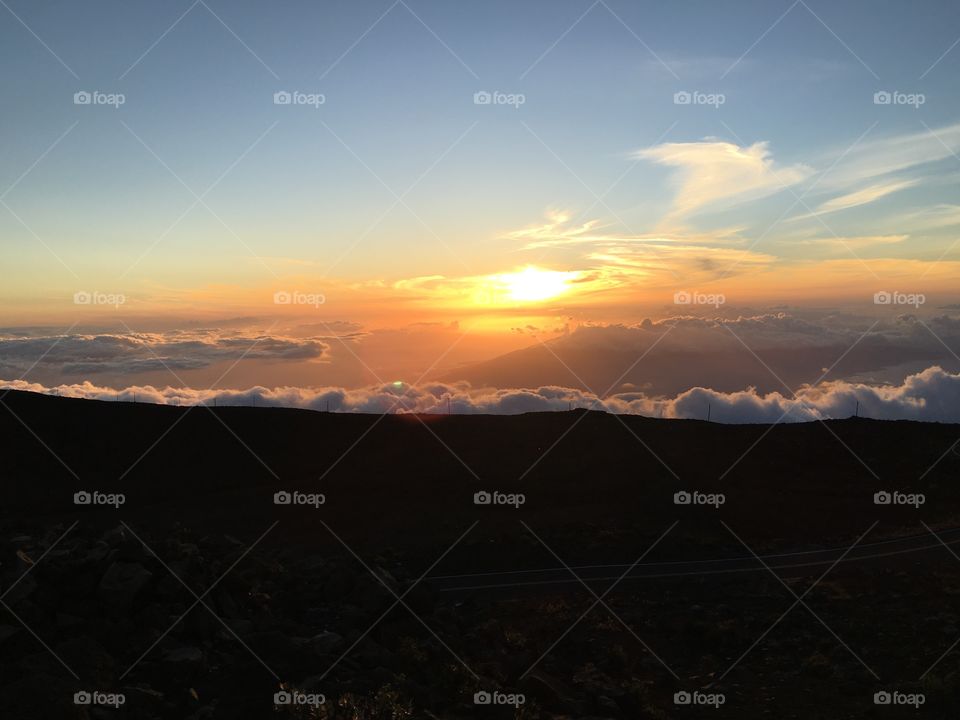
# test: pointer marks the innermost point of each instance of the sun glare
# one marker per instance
(532, 284)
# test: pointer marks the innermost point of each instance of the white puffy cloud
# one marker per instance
(930, 395)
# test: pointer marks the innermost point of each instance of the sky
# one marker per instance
(376, 192)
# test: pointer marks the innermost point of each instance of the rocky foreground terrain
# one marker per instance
(176, 641)
(199, 596)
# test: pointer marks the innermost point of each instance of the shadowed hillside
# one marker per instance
(801, 482)
(390, 593)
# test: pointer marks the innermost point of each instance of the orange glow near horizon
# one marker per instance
(533, 284)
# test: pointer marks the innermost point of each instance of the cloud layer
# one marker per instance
(146, 352)
(767, 351)
(931, 395)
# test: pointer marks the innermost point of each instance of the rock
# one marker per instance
(607, 706)
(121, 584)
(184, 655)
(817, 665)
(154, 616)
(387, 579)
(317, 616)
(97, 553)
(421, 599)
(132, 550)
(181, 665)
(339, 583)
(316, 684)
(370, 654)
(550, 692)
(142, 695)
(326, 642)
(169, 588)
(370, 594)
(86, 656)
(7, 632)
(40, 696)
(228, 606)
(21, 591)
(273, 643)
(241, 627)
(115, 536)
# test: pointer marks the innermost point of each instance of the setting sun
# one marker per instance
(532, 284)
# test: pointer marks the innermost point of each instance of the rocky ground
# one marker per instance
(150, 617)
(200, 597)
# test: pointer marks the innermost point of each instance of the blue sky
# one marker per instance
(762, 155)
(305, 184)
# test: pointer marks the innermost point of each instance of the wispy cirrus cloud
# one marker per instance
(893, 154)
(856, 242)
(863, 196)
(937, 216)
(712, 174)
(663, 257)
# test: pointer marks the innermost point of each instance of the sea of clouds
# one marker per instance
(930, 395)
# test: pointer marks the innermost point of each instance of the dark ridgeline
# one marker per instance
(198, 487)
